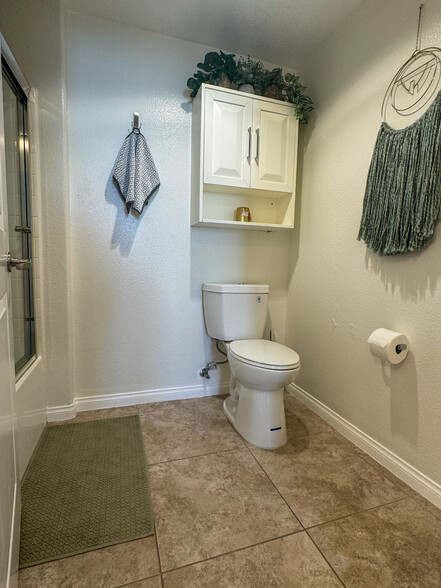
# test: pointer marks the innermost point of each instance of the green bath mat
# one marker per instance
(85, 488)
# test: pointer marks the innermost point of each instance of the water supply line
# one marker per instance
(212, 365)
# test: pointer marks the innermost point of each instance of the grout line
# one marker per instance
(306, 529)
(277, 490)
(151, 498)
(199, 455)
(338, 518)
(233, 551)
(357, 513)
(136, 581)
(303, 528)
(159, 555)
(155, 531)
(326, 559)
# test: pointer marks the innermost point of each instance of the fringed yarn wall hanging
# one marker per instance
(402, 202)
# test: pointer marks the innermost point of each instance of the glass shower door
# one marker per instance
(19, 216)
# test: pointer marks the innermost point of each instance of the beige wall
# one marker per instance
(340, 291)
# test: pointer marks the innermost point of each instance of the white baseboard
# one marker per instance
(61, 413)
(395, 464)
(81, 404)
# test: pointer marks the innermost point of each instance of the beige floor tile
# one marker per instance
(186, 428)
(398, 545)
(290, 562)
(301, 421)
(431, 508)
(424, 503)
(322, 478)
(105, 413)
(212, 504)
(103, 568)
(148, 583)
(310, 423)
(220, 398)
(386, 473)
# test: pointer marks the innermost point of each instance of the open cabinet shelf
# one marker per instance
(227, 224)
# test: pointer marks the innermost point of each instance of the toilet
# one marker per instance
(260, 369)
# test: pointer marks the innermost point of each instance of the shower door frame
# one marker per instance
(23, 362)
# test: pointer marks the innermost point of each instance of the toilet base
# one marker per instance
(257, 415)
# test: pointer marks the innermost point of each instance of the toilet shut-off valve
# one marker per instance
(210, 366)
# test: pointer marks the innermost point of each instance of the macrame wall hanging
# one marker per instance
(402, 201)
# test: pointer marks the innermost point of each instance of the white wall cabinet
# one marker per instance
(227, 141)
(244, 154)
(275, 130)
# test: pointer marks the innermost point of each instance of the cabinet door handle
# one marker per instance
(258, 145)
(249, 143)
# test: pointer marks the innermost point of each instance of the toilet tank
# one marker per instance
(235, 311)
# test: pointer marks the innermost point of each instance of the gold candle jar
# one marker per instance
(243, 214)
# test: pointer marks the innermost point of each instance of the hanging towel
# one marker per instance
(402, 201)
(135, 172)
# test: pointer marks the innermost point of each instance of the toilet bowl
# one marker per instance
(260, 370)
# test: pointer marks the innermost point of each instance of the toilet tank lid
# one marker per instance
(235, 288)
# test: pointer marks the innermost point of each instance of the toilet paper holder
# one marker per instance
(389, 345)
(400, 347)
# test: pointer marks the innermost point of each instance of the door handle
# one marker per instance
(258, 146)
(249, 143)
(20, 264)
(19, 229)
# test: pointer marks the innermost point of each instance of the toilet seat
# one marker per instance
(264, 354)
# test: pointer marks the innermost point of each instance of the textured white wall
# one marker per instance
(254, 27)
(27, 25)
(136, 282)
(340, 291)
(33, 32)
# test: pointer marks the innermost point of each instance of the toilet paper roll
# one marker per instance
(389, 345)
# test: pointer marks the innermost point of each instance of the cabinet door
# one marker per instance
(227, 140)
(275, 145)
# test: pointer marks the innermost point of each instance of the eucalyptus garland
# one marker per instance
(251, 71)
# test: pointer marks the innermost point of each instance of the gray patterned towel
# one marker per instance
(135, 172)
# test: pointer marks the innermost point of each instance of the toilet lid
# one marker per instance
(263, 353)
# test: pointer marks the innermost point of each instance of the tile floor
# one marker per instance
(317, 512)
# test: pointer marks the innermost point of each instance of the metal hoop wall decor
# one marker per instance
(416, 82)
